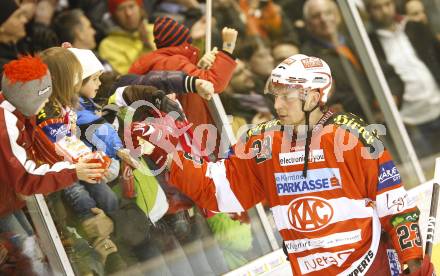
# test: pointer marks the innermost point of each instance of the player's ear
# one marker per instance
(312, 99)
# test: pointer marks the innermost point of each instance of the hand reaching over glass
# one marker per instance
(124, 154)
(208, 59)
(229, 36)
(205, 89)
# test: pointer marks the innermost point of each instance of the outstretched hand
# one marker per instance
(229, 36)
(208, 59)
(124, 154)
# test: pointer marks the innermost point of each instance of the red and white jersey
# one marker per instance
(331, 221)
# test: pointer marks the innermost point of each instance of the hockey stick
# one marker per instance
(433, 210)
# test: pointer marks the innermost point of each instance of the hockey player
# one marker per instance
(332, 188)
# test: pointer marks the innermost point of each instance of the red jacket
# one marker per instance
(184, 58)
(20, 174)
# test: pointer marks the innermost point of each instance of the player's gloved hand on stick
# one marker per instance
(421, 268)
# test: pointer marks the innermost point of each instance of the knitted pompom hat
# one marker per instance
(168, 32)
(26, 84)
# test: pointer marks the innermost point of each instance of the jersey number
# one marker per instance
(263, 149)
(403, 232)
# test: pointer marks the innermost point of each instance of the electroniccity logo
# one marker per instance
(297, 157)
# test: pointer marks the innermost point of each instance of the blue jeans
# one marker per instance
(81, 197)
(18, 224)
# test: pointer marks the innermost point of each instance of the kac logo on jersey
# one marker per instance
(308, 214)
(388, 175)
(293, 183)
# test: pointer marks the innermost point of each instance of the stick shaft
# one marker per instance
(432, 219)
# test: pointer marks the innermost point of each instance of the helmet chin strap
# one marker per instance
(308, 137)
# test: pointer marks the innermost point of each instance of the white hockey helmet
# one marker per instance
(302, 73)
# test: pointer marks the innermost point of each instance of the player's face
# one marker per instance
(288, 105)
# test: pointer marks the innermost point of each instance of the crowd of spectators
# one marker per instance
(84, 62)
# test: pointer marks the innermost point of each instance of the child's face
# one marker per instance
(90, 88)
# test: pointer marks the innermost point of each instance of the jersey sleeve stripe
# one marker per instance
(8, 106)
(226, 199)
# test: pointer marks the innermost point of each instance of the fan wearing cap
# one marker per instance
(98, 135)
(130, 38)
(104, 137)
(26, 87)
(175, 53)
(331, 185)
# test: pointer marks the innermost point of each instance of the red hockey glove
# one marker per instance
(426, 268)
